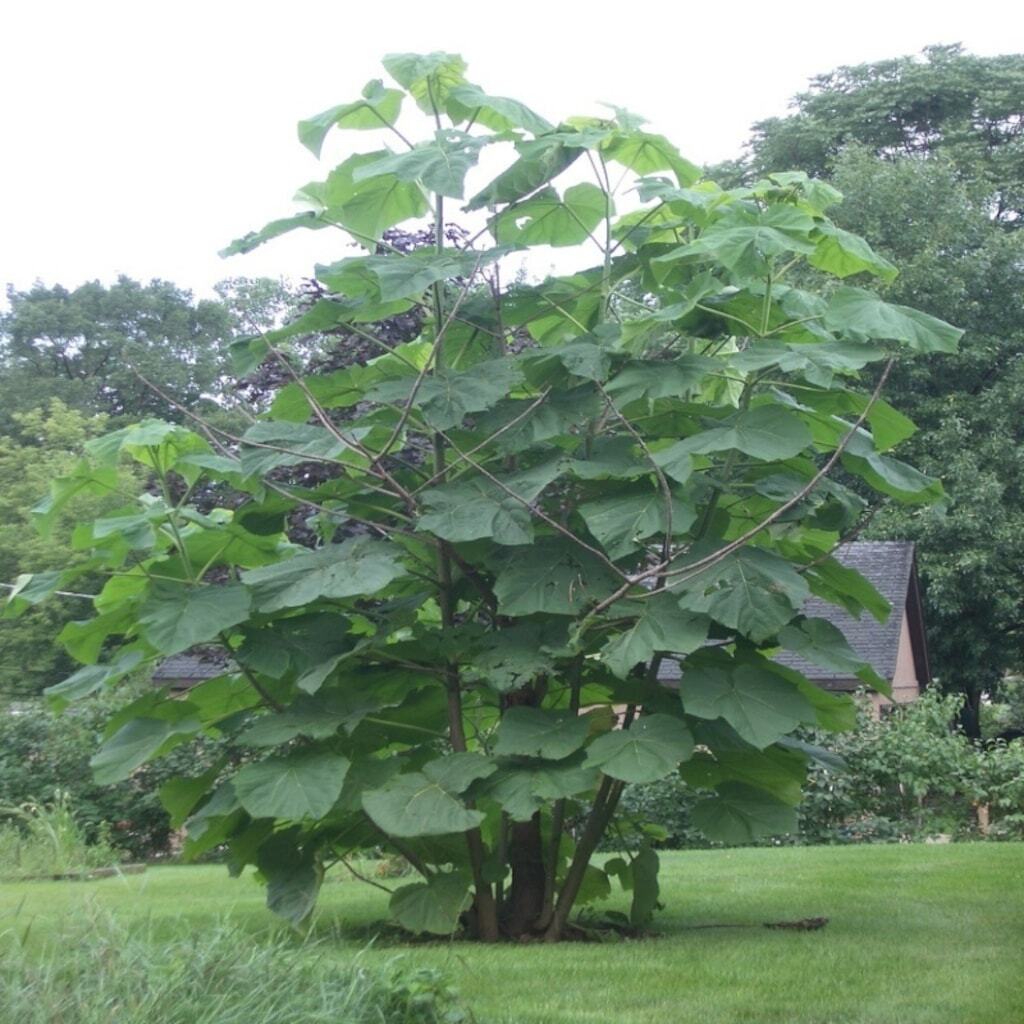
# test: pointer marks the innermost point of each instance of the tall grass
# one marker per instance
(98, 971)
(46, 840)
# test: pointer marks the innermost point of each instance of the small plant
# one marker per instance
(45, 840)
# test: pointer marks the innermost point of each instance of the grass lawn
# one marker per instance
(917, 935)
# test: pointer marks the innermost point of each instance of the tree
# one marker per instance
(952, 104)
(532, 505)
(43, 446)
(85, 347)
(929, 156)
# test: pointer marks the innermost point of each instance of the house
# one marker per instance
(896, 648)
(181, 672)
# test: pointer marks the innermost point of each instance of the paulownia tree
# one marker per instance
(534, 507)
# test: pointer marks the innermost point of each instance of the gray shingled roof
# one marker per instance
(888, 565)
(191, 666)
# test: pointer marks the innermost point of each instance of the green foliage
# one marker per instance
(84, 346)
(220, 976)
(43, 755)
(908, 775)
(944, 103)
(912, 774)
(927, 152)
(46, 841)
(518, 514)
(39, 447)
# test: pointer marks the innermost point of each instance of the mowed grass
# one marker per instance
(916, 935)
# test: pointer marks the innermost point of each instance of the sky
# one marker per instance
(140, 138)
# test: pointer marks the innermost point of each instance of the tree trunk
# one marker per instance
(970, 715)
(525, 901)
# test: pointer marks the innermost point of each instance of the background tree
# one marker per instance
(929, 154)
(82, 346)
(946, 103)
(530, 507)
(42, 446)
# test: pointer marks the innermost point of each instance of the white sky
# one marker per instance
(142, 137)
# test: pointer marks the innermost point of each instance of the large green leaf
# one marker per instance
(30, 588)
(740, 814)
(445, 398)
(661, 626)
(862, 315)
(135, 743)
(440, 166)
(312, 716)
(84, 639)
(819, 362)
(472, 511)
(390, 277)
(742, 241)
(820, 642)
(622, 522)
(90, 678)
(294, 876)
(479, 508)
(511, 657)
(180, 795)
(302, 785)
(650, 380)
(539, 162)
(85, 479)
(355, 567)
(455, 773)
(889, 475)
(415, 805)
(309, 219)
(753, 591)
(537, 732)
(645, 153)
(469, 102)
(728, 758)
(378, 108)
(645, 887)
(836, 712)
(766, 432)
(177, 616)
(548, 219)
(651, 748)
(433, 906)
(369, 207)
(577, 358)
(841, 253)
(757, 703)
(551, 576)
(614, 458)
(840, 584)
(523, 789)
(429, 77)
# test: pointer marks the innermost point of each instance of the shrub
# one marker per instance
(906, 776)
(46, 839)
(99, 971)
(43, 754)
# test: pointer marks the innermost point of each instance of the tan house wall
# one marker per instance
(905, 684)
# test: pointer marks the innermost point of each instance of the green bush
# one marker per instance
(43, 754)
(46, 839)
(907, 776)
(98, 971)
